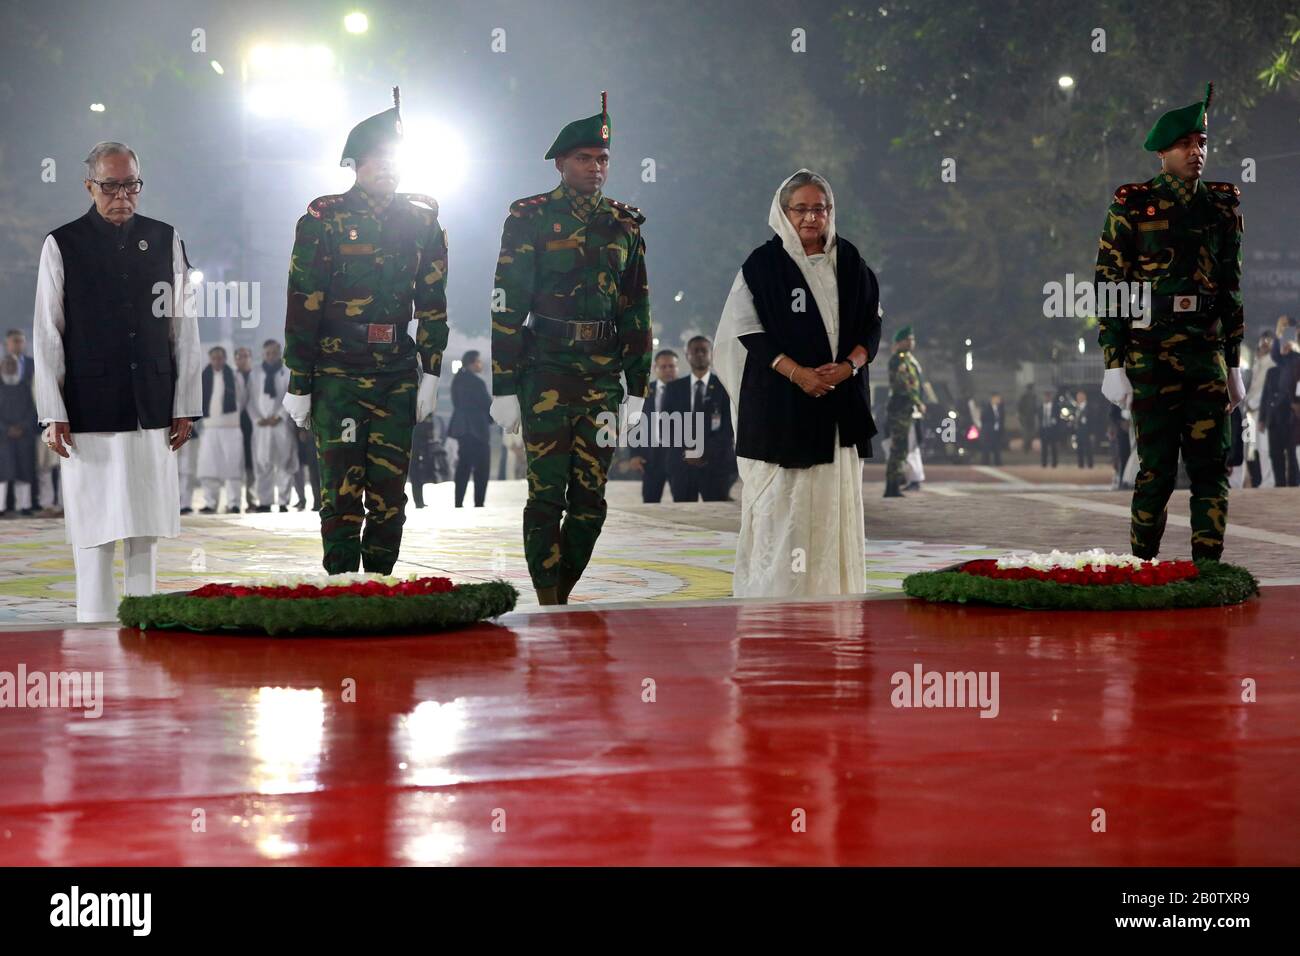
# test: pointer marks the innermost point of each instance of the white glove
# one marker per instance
(298, 407)
(426, 399)
(1115, 386)
(634, 406)
(505, 412)
(1236, 388)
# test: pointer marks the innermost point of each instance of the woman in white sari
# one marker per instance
(800, 325)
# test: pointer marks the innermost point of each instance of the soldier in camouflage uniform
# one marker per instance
(1177, 366)
(364, 264)
(904, 400)
(570, 317)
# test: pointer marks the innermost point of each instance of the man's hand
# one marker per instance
(505, 412)
(58, 435)
(297, 407)
(637, 465)
(182, 429)
(1236, 388)
(1115, 386)
(426, 399)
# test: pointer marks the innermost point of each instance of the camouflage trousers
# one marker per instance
(362, 425)
(567, 469)
(898, 426)
(1180, 404)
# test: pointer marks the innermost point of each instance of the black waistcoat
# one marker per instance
(120, 374)
(778, 422)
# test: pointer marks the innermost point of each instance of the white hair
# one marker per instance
(108, 148)
(801, 179)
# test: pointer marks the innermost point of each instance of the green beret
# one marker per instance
(592, 131)
(382, 129)
(1176, 124)
(904, 333)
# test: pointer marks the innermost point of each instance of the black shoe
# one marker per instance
(301, 506)
(207, 511)
(912, 486)
(186, 511)
(315, 507)
(232, 511)
(891, 490)
(283, 508)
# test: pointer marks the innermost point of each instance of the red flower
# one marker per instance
(1147, 574)
(416, 586)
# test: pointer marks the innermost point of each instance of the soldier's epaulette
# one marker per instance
(1225, 192)
(529, 206)
(623, 211)
(1130, 192)
(322, 204)
(421, 199)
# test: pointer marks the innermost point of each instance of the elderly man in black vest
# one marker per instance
(117, 378)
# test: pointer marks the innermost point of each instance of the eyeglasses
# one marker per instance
(112, 187)
(802, 211)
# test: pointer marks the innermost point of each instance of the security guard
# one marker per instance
(570, 317)
(364, 264)
(1177, 365)
(905, 402)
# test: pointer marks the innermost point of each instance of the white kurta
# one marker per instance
(221, 445)
(274, 446)
(115, 484)
(801, 529)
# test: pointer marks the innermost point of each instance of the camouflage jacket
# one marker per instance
(904, 383)
(1183, 241)
(355, 271)
(564, 266)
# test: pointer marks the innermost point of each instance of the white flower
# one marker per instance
(1096, 559)
(326, 580)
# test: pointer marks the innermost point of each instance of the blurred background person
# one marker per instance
(1085, 428)
(1257, 457)
(244, 369)
(1048, 421)
(469, 425)
(308, 471)
(1027, 409)
(651, 459)
(1120, 446)
(710, 474)
(1280, 404)
(275, 436)
(221, 444)
(992, 429)
(17, 437)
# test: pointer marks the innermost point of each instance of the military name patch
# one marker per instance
(1153, 225)
(357, 248)
(563, 244)
(380, 333)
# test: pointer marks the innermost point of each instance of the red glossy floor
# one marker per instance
(534, 742)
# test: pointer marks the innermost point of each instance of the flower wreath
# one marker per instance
(322, 604)
(1085, 581)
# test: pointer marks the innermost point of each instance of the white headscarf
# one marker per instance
(739, 316)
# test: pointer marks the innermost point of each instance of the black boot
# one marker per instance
(547, 596)
(891, 490)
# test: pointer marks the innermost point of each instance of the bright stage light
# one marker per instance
(218, 69)
(432, 158)
(356, 22)
(97, 107)
(1065, 82)
(196, 276)
(1080, 346)
(293, 82)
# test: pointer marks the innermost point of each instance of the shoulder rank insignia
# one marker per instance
(1226, 192)
(1132, 192)
(421, 200)
(623, 211)
(324, 204)
(529, 206)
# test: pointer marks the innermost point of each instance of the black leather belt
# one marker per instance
(1190, 304)
(362, 333)
(583, 335)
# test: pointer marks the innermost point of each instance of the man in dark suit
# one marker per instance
(992, 430)
(652, 459)
(1280, 404)
(1048, 417)
(1084, 428)
(710, 474)
(470, 402)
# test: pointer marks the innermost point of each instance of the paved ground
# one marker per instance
(677, 551)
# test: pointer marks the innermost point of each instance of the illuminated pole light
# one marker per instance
(218, 69)
(356, 22)
(968, 343)
(196, 276)
(97, 107)
(290, 81)
(970, 362)
(1066, 82)
(679, 296)
(1080, 346)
